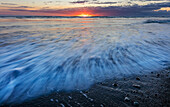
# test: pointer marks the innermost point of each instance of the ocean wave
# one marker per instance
(40, 60)
(158, 21)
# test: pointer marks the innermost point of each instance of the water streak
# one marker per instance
(39, 57)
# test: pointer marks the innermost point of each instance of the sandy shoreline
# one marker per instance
(150, 90)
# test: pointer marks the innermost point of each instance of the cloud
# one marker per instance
(91, 2)
(23, 7)
(51, 2)
(135, 10)
(79, 2)
(163, 9)
(8, 4)
(18, 7)
(104, 2)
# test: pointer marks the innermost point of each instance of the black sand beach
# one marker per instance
(150, 90)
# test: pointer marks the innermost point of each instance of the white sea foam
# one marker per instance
(41, 56)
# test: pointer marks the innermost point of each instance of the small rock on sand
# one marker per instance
(137, 78)
(136, 103)
(101, 105)
(126, 99)
(115, 84)
(51, 100)
(136, 86)
(62, 105)
(56, 100)
(69, 97)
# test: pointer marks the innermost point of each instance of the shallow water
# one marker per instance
(43, 55)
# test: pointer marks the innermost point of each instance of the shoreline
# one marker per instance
(152, 90)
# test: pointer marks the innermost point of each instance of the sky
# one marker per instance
(85, 7)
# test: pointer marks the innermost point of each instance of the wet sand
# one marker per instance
(150, 90)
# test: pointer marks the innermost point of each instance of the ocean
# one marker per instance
(41, 55)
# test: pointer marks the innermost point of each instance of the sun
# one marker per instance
(85, 15)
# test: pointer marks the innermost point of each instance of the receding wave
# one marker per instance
(74, 54)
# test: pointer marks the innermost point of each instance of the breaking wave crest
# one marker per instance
(158, 21)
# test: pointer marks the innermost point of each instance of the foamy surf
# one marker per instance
(47, 55)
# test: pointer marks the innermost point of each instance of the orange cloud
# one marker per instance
(163, 9)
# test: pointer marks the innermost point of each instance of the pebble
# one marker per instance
(90, 99)
(126, 99)
(137, 78)
(69, 97)
(127, 95)
(114, 84)
(134, 91)
(136, 103)
(136, 86)
(62, 105)
(56, 100)
(51, 100)
(101, 105)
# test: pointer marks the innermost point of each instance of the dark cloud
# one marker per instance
(104, 2)
(91, 2)
(17, 7)
(8, 4)
(135, 10)
(79, 2)
(24, 7)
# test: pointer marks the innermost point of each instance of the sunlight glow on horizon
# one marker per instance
(85, 15)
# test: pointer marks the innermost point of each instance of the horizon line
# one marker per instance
(74, 16)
